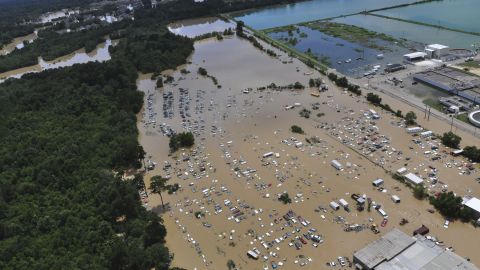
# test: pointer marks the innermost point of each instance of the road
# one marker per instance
(382, 85)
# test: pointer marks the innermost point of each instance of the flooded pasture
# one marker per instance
(349, 58)
(409, 31)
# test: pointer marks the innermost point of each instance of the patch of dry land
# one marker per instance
(226, 178)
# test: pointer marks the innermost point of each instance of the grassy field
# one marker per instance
(434, 104)
(471, 64)
(351, 33)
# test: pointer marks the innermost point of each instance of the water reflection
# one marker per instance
(195, 27)
(310, 10)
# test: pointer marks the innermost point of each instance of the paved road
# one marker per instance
(379, 84)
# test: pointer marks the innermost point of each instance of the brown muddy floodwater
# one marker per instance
(195, 27)
(226, 178)
(100, 54)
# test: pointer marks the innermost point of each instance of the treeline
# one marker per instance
(343, 82)
(62, 133)
(252, 39)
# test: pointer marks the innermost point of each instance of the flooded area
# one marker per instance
(457, 14)
(309, 10)
(100, 54)
(52, 16)
(196, 27)
(245, 156)
(409, 31)
(349, 58)
(18, 43)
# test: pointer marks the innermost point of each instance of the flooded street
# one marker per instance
(100, 54)
(245, 156)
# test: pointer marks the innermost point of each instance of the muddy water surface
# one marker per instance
(234, 129)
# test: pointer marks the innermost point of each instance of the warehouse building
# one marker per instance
(398, 251)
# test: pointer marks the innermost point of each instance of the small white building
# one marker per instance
(395, 199)
(337, 165)
(413, 130)
(343, 203)
(426, 134)
(436, 50)
(416, 56)
(413, 179)
(334, 206)
(377, 182)
(474, 204)
(402, 170)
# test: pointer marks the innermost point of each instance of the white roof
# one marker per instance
(413, 178)
(473, 203)
(437, 46)
(415, 55)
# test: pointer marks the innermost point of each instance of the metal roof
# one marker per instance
(384, 248)
(473, 203)
(415, 55)
(413, 178)
(437, 46)
(449, 261)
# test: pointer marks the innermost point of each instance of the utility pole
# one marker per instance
(451, 123)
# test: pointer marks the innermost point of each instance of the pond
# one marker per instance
(309, 10)
(457, 14)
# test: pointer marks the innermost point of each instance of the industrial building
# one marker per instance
(453, 81)
(414, 57)
(399, 251)
(436, 50)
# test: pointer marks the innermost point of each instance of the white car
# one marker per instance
(445, 225)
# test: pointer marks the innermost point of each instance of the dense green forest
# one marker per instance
(64, 135)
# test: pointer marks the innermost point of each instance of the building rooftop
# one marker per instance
(414, 257)
(398, 251)
(473, 203)
(449, 261)
(414, 178)
(415, 55)
(437, 46)
(384, 248)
